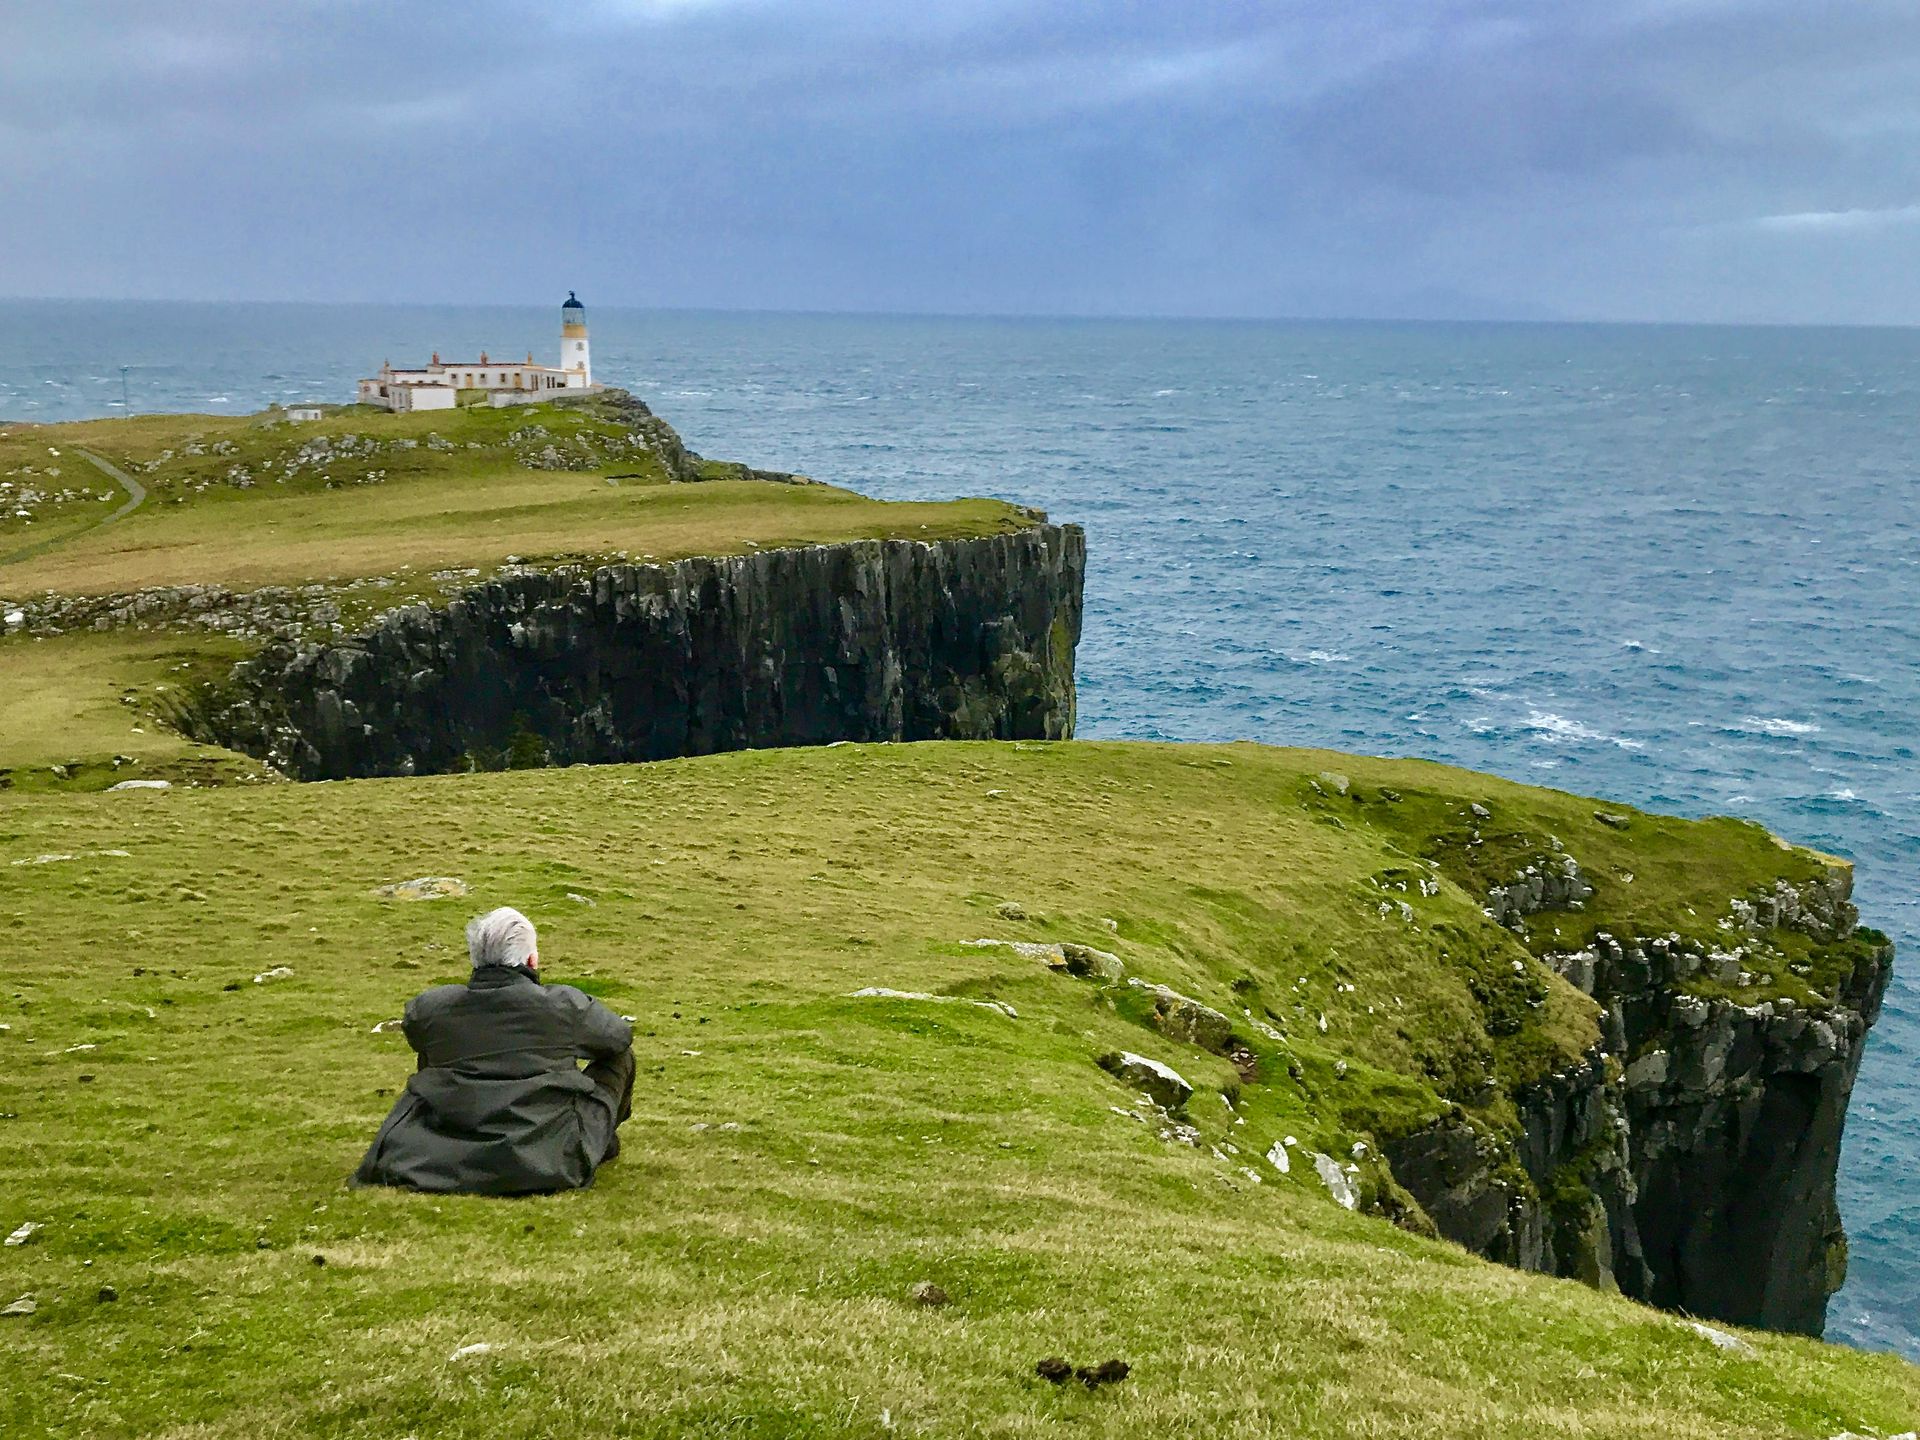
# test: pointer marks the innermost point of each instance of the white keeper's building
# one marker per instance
(437, 386)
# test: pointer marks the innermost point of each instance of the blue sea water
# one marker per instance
(1677, 566)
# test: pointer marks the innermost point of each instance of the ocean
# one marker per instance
(1676, 566)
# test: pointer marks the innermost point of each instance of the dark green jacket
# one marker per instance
(498, 1105)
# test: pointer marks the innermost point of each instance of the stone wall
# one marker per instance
(871, 640)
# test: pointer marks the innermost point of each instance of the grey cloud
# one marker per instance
(1666, 159)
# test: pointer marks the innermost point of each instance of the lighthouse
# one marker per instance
(439, 385)
(574, 355)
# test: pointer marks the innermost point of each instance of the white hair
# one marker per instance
(500, 937)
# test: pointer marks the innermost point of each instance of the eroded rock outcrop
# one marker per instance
(1691, 1160)
(1734, 1113)
(869, 640)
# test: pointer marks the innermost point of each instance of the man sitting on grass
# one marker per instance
(499, 1104)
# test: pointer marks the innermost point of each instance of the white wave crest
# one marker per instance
(1561, 729)
(1777, 726)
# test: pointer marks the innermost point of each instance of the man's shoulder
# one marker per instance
(437, 998)
(569, 997)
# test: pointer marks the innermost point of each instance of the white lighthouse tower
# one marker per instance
(575, 358)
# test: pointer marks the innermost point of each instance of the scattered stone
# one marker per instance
(1110, 925)
(1277, 1157)
(427, 887)
(925, 1292)
(470, 1352)
(1055, 1369)
(1480, 812)
(108, 1295)
(387, 1027)
(582, 900)
(1180, 1017)
(1339, 1186)
(24, 1235)
(1176, 1132)
(1045, 953)
(1719, 1339)
(1089, 963)
(1008, 910)
(1335, 781)
(320, 1262)
(23, 1306)
(142, 785)
(880, 992)
(1164, 1085)
(278, 972)
(1610, 820)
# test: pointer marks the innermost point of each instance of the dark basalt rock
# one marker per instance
(870, 640)
(1736, 1144)
(1698, 1177)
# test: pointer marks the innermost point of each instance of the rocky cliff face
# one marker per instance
(872, 640)
(1734, 1114)
(1690, 1161)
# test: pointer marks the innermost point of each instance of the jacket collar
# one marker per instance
(494, 977)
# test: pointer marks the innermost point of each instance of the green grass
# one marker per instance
(94, 705)
(390, 504)
(446, 522)
(409, 508)
(798, 1158)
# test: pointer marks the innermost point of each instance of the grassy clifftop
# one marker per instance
(257, 500)
(802, 1154)
(344, 518)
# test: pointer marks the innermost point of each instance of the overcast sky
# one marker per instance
(1647, 159)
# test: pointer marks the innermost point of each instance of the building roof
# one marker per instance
(573, 302)
(470, 365)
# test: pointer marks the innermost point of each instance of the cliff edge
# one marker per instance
(967, 639)
(1686, 1154)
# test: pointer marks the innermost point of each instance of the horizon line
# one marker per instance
(1080, 316)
